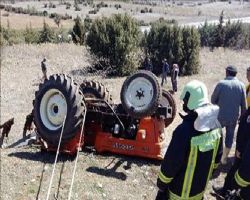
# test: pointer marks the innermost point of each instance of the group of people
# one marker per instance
(174, 71)
(196, 149)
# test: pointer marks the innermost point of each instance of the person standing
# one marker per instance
(148, 65)
(44, 68)
(174, 76)
(165, 70)
(229, 94)
(195, 148)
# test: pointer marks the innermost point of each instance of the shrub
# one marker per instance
(236, 35)
(233, 35)
(57, 20)
(30, 35)
(2, 6)
(46, 34)
(78, 32)
(191, 48)
(117, 6)
(45, 13)
(51, 5)
(87, 23)
(206, 32)
(68, 5)
(176, 44)
(90, 2)
(115, 42)
(5, 15)
(9, 36)
(93, 11)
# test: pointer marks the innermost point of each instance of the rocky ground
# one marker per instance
(26, 172)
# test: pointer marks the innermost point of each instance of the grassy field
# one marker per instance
(183, 13)
(21, 21)
(26, 172)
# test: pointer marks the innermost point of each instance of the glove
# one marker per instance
(233, 195)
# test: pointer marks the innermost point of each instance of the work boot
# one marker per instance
(225, 155)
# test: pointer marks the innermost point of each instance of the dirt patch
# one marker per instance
(26, 171)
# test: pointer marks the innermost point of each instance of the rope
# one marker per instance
(57, 152)
(78, 149)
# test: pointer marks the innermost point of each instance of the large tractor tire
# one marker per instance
(57, 97)
(168, 101)
(140, 94)
(96, 90)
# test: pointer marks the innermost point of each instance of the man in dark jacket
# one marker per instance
(195, 148)
(243, 138)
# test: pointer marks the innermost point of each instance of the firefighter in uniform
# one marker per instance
(195, 149)
(242, 176)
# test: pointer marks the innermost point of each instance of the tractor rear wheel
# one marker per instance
(140, 94)
(96, 90)
(57, 98)
(168, 101)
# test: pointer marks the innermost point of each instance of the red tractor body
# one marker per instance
(134, 127)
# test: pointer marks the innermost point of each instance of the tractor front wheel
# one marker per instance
(58, 98)
(140, 94)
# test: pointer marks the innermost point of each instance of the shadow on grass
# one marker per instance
(44, 157)
(120, 160)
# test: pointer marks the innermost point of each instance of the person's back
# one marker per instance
(231, 96)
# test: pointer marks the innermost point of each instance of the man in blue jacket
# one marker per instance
(195, 148)
(229, 94)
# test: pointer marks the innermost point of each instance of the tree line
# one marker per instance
(120, 47)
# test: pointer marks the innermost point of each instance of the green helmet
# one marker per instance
(198, 94)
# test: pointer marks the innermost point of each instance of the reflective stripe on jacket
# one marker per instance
(189, 161)
(248, 95)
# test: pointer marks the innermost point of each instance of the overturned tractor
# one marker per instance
(134, 127)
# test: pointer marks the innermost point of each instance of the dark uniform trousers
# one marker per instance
(243, 138)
